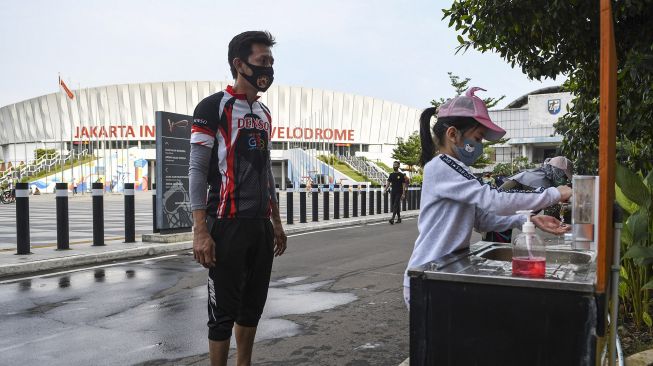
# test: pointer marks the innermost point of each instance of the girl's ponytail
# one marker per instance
(428, 146)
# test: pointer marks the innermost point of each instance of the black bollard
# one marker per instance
(130, 215)
(403, 202)
(363, 201)
(63, 232)
(419, 197)
(354, 209)
(409, 197)
(414, 195)
(98, 214)
(372, 190)
(378, 200)
(302, 203)
(345, 204)
(314, 204)
(22, 219)
(385, 201)
(155, 228)
(325, 201)
(336, 201)
(290, 219)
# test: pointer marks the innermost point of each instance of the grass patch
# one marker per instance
(383, 166)
(344, 168)
(57, 169)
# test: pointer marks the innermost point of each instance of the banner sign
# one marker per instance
(172, 156)
(148, 132)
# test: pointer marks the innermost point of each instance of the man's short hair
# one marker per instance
(241, 46)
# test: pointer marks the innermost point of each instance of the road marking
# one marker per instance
(386, 222)
(322, 231)
(86, 268)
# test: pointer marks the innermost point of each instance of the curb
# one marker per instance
(156, 249)
(85, 259)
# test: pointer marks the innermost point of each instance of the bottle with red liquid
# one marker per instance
(528, 251)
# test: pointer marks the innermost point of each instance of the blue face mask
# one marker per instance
(470, 152)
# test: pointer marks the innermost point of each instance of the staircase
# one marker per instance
(366, 168)
(47, 162)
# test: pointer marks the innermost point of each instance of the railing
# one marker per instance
(362, 166)
(42, 163)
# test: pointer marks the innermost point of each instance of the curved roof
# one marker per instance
(523, 100)
(53, 117)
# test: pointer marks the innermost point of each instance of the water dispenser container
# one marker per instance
(583, 212)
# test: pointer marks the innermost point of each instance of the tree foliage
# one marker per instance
(562, 37)
(408, 150)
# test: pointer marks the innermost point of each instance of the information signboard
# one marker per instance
(172, 156)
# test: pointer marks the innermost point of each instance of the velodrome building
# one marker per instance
(116, 125)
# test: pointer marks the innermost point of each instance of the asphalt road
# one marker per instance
(335, 299)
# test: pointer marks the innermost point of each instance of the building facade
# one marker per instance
(529, 127)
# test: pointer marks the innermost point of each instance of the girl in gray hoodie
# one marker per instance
(453, 201)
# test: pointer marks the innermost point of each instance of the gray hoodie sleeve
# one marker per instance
(200, 156)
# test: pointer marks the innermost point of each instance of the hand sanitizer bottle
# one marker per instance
(528, 252)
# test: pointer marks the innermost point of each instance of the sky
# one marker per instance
(395, 50)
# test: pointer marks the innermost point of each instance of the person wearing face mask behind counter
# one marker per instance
(453, 201)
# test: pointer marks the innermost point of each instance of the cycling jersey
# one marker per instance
(240, 175)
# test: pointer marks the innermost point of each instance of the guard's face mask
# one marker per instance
(261, 78)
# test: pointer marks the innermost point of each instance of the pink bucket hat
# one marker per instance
(469, 105)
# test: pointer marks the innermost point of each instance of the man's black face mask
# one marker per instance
(261, 78)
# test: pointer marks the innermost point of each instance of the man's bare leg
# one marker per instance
(244, 344)
(219, 352)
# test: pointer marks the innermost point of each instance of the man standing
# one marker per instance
(398, 181)
(233, 235)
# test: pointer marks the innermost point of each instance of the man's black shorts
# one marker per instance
(238, 284)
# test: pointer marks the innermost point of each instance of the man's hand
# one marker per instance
(204, 248)
(203, 244)
(550, 224)
(280, 240)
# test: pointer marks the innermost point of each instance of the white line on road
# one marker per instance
(86, 268)
(321, 231)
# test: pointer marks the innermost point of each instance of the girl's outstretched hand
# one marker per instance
(550, 224)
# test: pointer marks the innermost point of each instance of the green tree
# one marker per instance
(408, 151)
(562, 38)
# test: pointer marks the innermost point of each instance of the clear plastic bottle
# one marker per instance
(528, 251)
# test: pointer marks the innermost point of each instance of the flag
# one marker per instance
(65, 89)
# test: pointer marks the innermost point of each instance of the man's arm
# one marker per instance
(202, 139)
(203, 244)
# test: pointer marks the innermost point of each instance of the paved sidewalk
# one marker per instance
(48, 258)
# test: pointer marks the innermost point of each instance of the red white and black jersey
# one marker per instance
(240, 177)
